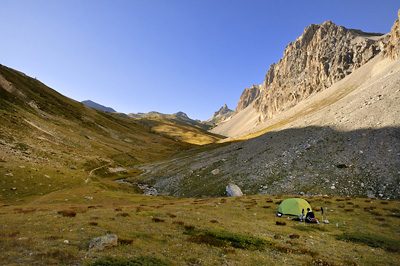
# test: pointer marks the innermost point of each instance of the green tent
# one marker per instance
(294, 206)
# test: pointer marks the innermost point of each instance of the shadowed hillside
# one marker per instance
(311, 160)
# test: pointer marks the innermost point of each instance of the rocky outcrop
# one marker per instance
(247, 97)
(221, 115)
(393, 48)
(321, 56)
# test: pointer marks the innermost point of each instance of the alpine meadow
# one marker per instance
(83, 184)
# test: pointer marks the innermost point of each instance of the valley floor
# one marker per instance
(198, 231)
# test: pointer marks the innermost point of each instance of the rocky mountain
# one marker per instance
(321, 56)
(340, 136)
(393, 47)
(221, 115)
(248, 96)
(98, 106)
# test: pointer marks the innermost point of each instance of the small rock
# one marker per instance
(215, 172)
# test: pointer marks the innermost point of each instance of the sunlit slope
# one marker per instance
(48, 141)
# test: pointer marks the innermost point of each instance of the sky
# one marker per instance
(167, 56)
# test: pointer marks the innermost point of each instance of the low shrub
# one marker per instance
(172, 215)
(123, 241)
(371, 240)
(294, 250)
(189, 227)
(178, 222)
(67, 213)
(395, 215)
(143, 260)
(280, 223)
(157, 220)
(227, 239)
(124, 214)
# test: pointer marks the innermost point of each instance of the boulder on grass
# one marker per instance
(103, 242)
(233, 190)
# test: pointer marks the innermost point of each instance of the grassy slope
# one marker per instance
(49, 142)
(209, 231)
(179, 130)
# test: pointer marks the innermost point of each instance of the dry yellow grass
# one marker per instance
(39, 233)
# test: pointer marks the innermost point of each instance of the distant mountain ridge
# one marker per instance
(98, 106)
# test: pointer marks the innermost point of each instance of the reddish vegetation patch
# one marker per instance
(67, 213)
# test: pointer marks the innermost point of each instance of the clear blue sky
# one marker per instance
(165, 55)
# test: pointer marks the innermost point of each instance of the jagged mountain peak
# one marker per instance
(221, 115)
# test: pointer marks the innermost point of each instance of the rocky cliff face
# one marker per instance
(393, 48)
(321, 56)
(221, 115)
(247, 97)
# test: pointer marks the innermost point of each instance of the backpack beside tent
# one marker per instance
(293, 206)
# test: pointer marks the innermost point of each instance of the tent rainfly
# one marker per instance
(294, 206)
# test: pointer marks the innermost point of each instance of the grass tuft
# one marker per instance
(321, 262)
(280, 223)
(124, 214)
(294, 236)
(123, 241)
(172, 215)
(67, 213)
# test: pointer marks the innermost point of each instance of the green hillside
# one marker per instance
(49, 142)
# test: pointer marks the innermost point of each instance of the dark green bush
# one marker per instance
(371, 240)
(227, 239)
(143, 260)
